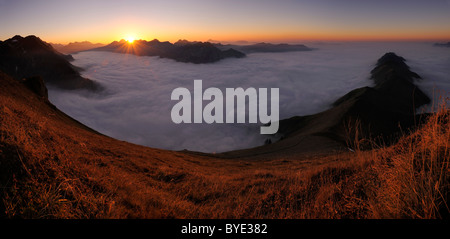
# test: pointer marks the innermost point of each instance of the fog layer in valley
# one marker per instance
(136, 105)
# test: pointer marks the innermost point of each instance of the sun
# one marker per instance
(130, 38)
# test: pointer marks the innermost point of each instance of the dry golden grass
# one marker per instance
(414, 174)
(51, 167)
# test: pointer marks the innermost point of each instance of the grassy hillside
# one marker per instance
(53, 167)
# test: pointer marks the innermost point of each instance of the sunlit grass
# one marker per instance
(53, 168)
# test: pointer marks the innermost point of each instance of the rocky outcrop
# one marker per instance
(381, 111)
(37, 85)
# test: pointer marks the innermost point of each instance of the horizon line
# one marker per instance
(274, 41)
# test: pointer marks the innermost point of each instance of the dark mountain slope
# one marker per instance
(30, 56)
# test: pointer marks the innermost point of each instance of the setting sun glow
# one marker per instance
(130, 39)
(271, 21)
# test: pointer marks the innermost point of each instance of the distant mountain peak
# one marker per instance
(28, 43)
(266, 47)
(74, 47)
(443, 44)
(182, 50)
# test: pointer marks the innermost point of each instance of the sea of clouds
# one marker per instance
(136, 106)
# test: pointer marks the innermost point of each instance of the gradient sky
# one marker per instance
(61, 21)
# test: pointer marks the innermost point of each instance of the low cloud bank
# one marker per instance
(136, 104)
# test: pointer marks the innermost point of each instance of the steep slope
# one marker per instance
(30, 56)
(48, 158)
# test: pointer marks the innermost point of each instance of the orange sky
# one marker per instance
(252, 20)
